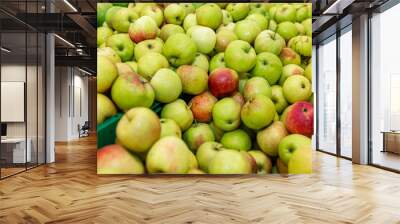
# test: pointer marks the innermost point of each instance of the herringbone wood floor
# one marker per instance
(69, 191)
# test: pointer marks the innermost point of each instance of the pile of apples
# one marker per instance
(233, 79)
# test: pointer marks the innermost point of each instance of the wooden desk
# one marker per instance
(391, 141)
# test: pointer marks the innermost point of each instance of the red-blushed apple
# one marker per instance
(223, 82)
(282, 167)
(300, 119)
(238, 97)
(255, 86)
(194, 79)
(197, 134)
(224, 37)
(289, 56)
(264, 164)
(114, 159)
(154, 12)
(252, 161)
(288, 70)
(201, 106)
(269, 138)
(143, 28)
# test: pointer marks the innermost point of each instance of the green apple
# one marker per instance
(290, 144)
(226, 17)
(269, 138)
(226, 114)
(247, 30)
(154, 12)
(269, 41)
(273, 26)
(264, 164)
(276, 118)
(110, 13)
(308, 72)
(301, 161)
(201, 61)
(150, 63)
(189, 8)
(121, 4)
(218, 132)
(132, 65)
(102, 9)
(154, 45)
(109, 53)
(284, 114)
(297, 88)
(107, 73)
(267, 66)
(237, 139)
(230, 162)
(122, 45)
(190, 21)
(287, 30)
(222, 5)
(261, 21)
(105, 108)
(114, 159)
(240, 56)
(278, 98)
(123, 18)
(142, 29)
(198, 134)
(304, 12)
(300, 28)
(289, 56)
(123, 68)
(209, 15)
(167, 85)
(229, 26)
(169, 29)
(179, 49)
(302, 45)
(194, 79)
(102, 34)
(138, 129)
(203, 37)
(179, 112)
(238, 97)
(258, 112)
(307, 26)
(224, 37)
(255, 86)
(289, 70)
(238, 11)
(206, 152)
(218, 61)
(195, 171)
(285, 12)
(174, 13)
(169, 128)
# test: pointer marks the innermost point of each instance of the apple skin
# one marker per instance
(198, 134)
(169, 128)
(132, 65)
(255, 86)
(289, 56)
(240, 56)
(251, 160)
(102, 34)
(194, 79)
(238, 97)
(278, 98)
(300, 119)
(230, 162)
(237, 139)
(297, 88)
(285, 12)
(105, 108)
(123, 68)
(290, 144)
(302, 45)
(301, 161)
(110, 13)
(247, 30)
(224, 37)
(203, 37)
(269, 41)
(195, 171)
(264, 164)
(260, 19)
(114, 159)
(167, 85)
(272, 26)
(289, 70)
(179, 112)
(238, 11)
(308, 72)
(300, 29)
(287, 30)
(206, 152)
(120, 21)
(174, 14)
(303, 13)
(109, 53)
(189, 8)
(154, 12)
(201, 61)
(226, 114)
(106, 75)
(143, 28)
(218, 61)
(229, 26)
(223, 82)
(281, 166)
(307, 26)
(170, 29)
(226, 17)
(150, 63)
(190, 21)
(201, 106)
(102, 9)
(122, 45)
(258, 112)
(209, 15)
(138, 129)
(268, 66)
(269, 138)
(154, 45)
(131, 90)
(179, 49)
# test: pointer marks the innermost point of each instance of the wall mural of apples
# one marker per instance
(204, 88)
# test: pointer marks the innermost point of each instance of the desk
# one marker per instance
(391, 141)
(16, 147)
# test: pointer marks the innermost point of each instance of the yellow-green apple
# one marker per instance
(167, 85)
(285, 12)
(150, 63)
(300, 119)
(229, 26)
(201, 61)
(121, 4)
(307, 26)
(138, 129)
(122, 19)
(174, 14)
(226, 17)
(131, 90)
(242, 83)
(110, 13)
(226, 114)
(297, 88)
(179, 49)
(169, 29)
(218, 61)
(284, 114)
(132, 65)
(169, 155)
(287, 30)
(169, 128)
(142, 29)
(114, 159)
(238, 97)
(278, 98)
(251, 160)
(218, 132)
(247, 30)
(105, 108)
(109, 53)
(302, 45)
(194, 79)
(107, 73)
(255, 86)
(154, 45)
(222, 5)
(122, 45)
(102, 34)
(201, 106)
(260, 19)
(154, 12)
(238, 11)
(237, 139)
(269, 138)
(290, 144)
(289, 70)
(102, 9)
(179, 112)
(282, 167)
(276, 118)
(206, 152)
(224, 37)
(273, 26)
(223, 82)
(258, 112)
(123, 68)
(301, 161)
(257, 8)
(304, 12)
(240, 56)
(264, 164)
(308, 72)
(311, 99)
(189, 8)
(289, 56)
(230, 162)
(269, 41)
(190, 21)
(267, 66)
(204, 38)
(300, 28)
(195, 171)
(209, 15)
(197, 134)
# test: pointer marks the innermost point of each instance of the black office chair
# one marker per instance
(84, 130)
